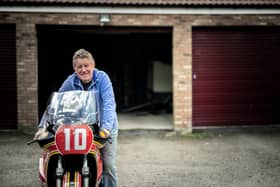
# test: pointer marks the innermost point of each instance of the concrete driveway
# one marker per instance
(162, 159)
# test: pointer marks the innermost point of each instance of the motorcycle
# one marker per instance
(71, 149)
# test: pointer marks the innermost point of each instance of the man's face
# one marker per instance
(84, 69)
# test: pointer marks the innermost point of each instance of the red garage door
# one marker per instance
(8, 93)
(236, 76)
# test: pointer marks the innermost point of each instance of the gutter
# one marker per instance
(140, 10)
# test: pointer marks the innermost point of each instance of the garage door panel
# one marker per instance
(236, 75)
(8, 86)
(236, 115)
(227, 99)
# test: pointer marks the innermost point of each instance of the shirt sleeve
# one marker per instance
(66, 86)
(108, 103)
(43, 121)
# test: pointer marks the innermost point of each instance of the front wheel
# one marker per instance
(72, 178)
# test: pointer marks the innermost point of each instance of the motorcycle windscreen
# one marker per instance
(73, 107)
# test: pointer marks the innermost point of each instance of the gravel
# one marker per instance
(165, 159)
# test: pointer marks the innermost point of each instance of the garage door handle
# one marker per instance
(194, 76)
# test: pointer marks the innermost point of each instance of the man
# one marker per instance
(87, 77)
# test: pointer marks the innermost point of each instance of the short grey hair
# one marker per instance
(82, 53)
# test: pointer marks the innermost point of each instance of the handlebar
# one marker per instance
(31, 142)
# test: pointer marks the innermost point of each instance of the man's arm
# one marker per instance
(109, 105)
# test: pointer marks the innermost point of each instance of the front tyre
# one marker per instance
(72, 178)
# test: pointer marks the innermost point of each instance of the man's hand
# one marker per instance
(41, 133)
(104, 133)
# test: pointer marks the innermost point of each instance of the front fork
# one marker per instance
(59, 172)
(85, 172)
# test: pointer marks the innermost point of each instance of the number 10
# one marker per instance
(78, 145)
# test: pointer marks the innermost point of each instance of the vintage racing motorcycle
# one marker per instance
(71, 145)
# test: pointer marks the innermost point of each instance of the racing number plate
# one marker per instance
(73, 139)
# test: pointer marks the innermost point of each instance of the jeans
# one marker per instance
(109, 152)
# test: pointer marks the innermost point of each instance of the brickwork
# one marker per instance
(182, 53)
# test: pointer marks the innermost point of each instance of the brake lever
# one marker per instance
(110, 140)
(31, 142)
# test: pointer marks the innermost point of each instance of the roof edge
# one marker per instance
(137, 10)
(182, 3)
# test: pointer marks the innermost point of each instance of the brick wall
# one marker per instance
(26, 75)
(182, 53)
